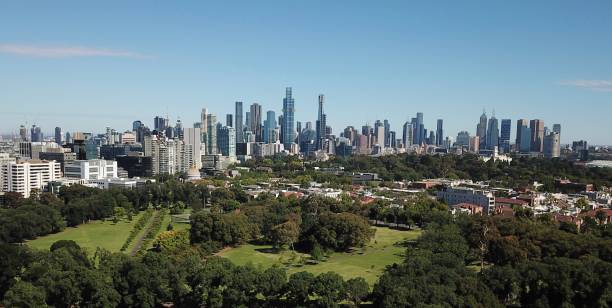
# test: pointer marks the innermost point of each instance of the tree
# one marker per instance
(329, 287)
(298, 288)
(24, 294)
(357, 290)
(286, 233)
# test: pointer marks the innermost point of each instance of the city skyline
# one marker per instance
(373, 62)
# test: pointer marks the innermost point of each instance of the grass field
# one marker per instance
(105, 234)
(367, 263)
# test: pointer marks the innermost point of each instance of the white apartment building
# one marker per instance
(24, 176)
(93, 169)
(169, 156)
(456, 195)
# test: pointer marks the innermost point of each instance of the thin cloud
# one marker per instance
(594, 85)
(66, 51)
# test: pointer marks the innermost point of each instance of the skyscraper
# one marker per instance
(255, 121)
(136, 125)
(58, 135)
(407, 134)
(439, 133)
(557, 129)
(269, 127)
(288, 136)
(504, 139)
(229, 120)
(23, 133)
(36, 134)
(537, 135)
(420, 129)
(192, 138)
(522, 126)
(239, 123)
(492, 133)
(321, 124)
(160, 124)
(227, 141)
(387, 127)
(379, 132)
(552, 145)
(481, 129)
(211, 134)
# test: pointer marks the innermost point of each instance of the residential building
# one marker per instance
(288, 124)
(24, 176)
(456, 195)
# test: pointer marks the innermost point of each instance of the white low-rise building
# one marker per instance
(24, 176)
(93, 169)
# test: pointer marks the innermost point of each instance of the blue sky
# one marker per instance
(84, 65)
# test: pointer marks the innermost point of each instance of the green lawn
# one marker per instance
(105, 234)
(367, 263)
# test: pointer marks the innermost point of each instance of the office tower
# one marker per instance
(255, 121)
(419, 129)
(179, 130)
(379, 132)
(321, 124)
(36, 134)
(552, 145)
(492, 133)
(239, 123)
(463, 139)
(504, 138)
(211, 134)
(269, 127)
(481, 129)
(227, 141)
(24, 176)
(68, 137)
(432, 138)
(192, 137)
(136, 125)
(58, 135)
(522, 126)
(229, 120)
(392, 141)
(93, 169)
(537, 135)
(407, 134)
(349, 133)
(247, 124)
(557, 129)
(439, 132)
(159, 124)
(387, 131)
(288, 129)
(23, 133)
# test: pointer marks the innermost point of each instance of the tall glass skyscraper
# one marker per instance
(493, 133)
(288, 136)
(269, 127)
(439, 133)
(239, 123)
(504, 138)
(321, 123)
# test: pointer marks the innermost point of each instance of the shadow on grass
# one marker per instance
(268, 250)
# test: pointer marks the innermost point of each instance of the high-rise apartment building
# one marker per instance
(552, 145)
(211, 134)
(288, 124)
(537, 135)
(24, 176)
(239, 123)
(192, 138)
(321, 124)
(255, 121)
(439, 132)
